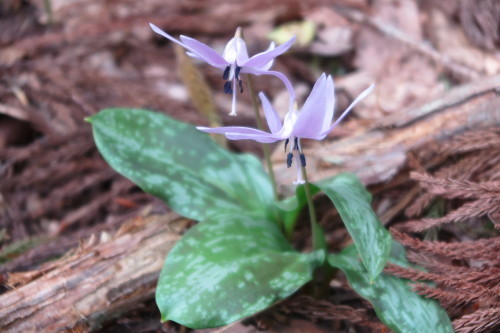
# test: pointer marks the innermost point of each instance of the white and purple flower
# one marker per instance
(234, 60)
(314, 121)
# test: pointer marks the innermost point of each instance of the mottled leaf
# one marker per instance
(352, 201)
(230, 267)
(179, 164)
(396, 305)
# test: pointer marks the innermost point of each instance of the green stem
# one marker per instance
(265, 148)
(319, 242)
(325, 273)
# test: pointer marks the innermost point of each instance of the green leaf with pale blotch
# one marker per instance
(179, 164)
(396, 305)
(352, 201)
(230, 267)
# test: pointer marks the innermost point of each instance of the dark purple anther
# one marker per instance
(237, 72)
(225, 76)
(303, 160)
(289, 159)
(227, 88)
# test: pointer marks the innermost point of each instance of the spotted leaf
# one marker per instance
(396, 305)
(352, 201)
(230, 267)
(179, 164)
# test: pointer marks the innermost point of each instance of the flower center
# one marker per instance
(295, 148)
(232, 72)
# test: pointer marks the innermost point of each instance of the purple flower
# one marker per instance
(313, 122)
(234, 60)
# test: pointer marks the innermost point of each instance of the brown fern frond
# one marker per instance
(317, 309)
(469, 210)
(471, 141)
(448, 299)
(486, 276)
(471, 165)
(490, 295)
(480, 321)
(482, 249)
(451, 188)
(418, 206)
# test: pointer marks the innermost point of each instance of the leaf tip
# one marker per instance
(88, 119)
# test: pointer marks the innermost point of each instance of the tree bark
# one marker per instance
(97, 282)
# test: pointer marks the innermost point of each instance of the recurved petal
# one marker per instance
(164, 34)
(261, 60)
(272, 117)
(232, 129)
(267, 66)
(263, 138)
(241, 133)
(310, 121)
(349, 108)
(193, 55)
(279, 75)
(204, 52)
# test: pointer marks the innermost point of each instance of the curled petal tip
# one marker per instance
(155, 28)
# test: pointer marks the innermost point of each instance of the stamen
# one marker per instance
(227, 88)
(237, 72)
(302, 160)
(289, 159)
(241, 86)
(286, 143)
(225, 75)
(296, 144)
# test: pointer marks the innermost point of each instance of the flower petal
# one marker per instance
(279, 75)
(268, 138)
(310, 121)
(349, 108)
(270, 63)
(272, 117)
(241, 52)
(242, 133)
(260, 60)
(164, 34)
(330, 103)
(203, 51)
(235, 129)
(195, 48)
(235, 51)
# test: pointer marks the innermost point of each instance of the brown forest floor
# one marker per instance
(427, 141)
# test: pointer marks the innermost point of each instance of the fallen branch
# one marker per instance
(96, 283)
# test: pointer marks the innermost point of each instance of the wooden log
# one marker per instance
(97, 282)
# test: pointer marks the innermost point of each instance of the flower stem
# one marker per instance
(318, 237)
(324, 273)
(265, 148)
